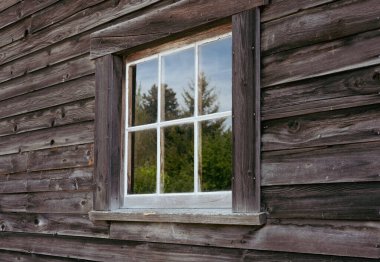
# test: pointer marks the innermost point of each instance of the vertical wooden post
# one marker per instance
(108, 106)
(246, 111)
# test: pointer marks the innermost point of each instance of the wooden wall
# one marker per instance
(320, 139)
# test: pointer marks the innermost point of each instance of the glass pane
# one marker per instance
(215, 155)
(144, 104)
(144, 159)
(178, 70)
(178, 164)
(215, 76)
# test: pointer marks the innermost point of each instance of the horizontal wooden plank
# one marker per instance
(87, 20)
(57, 224)
(71, 113)
(15, 32)
(73, 202)
(336, 164)
(52, 55)
(357, 239)
(48, 159)
(81, 133)
(358, 201)
(47, 77)
(180, 16)
(58, 12)
(280, 8)
(47, 181)
(342, 90)
(10, 256)
(322, 59)
(360, 124)
(325, 23)
(193, 216)
(116, 250)
(4, 4)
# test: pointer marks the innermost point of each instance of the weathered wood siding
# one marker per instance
(320, 138)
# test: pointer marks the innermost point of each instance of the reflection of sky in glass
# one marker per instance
(146, 77)
(178, 70)
(215, 61)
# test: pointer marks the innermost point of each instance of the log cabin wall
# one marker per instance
(320, 138)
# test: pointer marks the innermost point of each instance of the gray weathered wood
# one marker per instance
(57, 224)
(357, 201)
(319, 165)
(246, 111)
(109, 77)
(193, 216)
(340, 238)
(180, 16)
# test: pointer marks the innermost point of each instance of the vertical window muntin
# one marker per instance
(197, 119)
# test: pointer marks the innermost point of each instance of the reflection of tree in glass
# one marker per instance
(215, 137)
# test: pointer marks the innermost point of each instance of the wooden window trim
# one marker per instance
(108, 46)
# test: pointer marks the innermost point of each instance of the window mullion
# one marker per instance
(159, 151)
(196, 123)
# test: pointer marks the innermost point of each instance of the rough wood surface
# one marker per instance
(44, 78)
(246, 110)
(81, 133)
(319, 165)
(326, 93)
(324, 23)
(47, 181)
(359, 124)
(4, 4)
(358, 239)
(109, 78)
(322, 59)
(72, 202)
(10, 256)
(191, 216)
(357, 201)
(75, 112)
(57, 224)
(47, 159)
(180, 16)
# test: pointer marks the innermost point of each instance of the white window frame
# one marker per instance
(196, 199)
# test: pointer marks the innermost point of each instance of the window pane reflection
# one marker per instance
(178, 71)
(144, 108)
(143, 164)
(215, 76)
(215, 152)
(178, 167)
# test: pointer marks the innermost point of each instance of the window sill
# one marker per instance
(193, 216)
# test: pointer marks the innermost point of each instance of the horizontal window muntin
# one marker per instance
(137, 200)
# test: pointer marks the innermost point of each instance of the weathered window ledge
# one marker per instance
(194, 216)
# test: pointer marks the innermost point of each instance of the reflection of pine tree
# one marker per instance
(215, 171)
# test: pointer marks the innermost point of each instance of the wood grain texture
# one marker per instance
(65, 50)
(179, 17)
(75, 134)
(322, 59)
(281, 8)
(51, 76)
(320, 165)
(10, 256)
(109, 77)
(325, 23)
(47, 159)
(71, 202)
(357, 201)
(75, 112)
(85, 21)
(360, 124)
(357, 239)
(246, 111)
(4, 4)
(337, 91)
(47, 181)
(58, 12)
(53, 224)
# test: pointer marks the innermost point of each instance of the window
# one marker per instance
(140, 35)
(178, 138)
